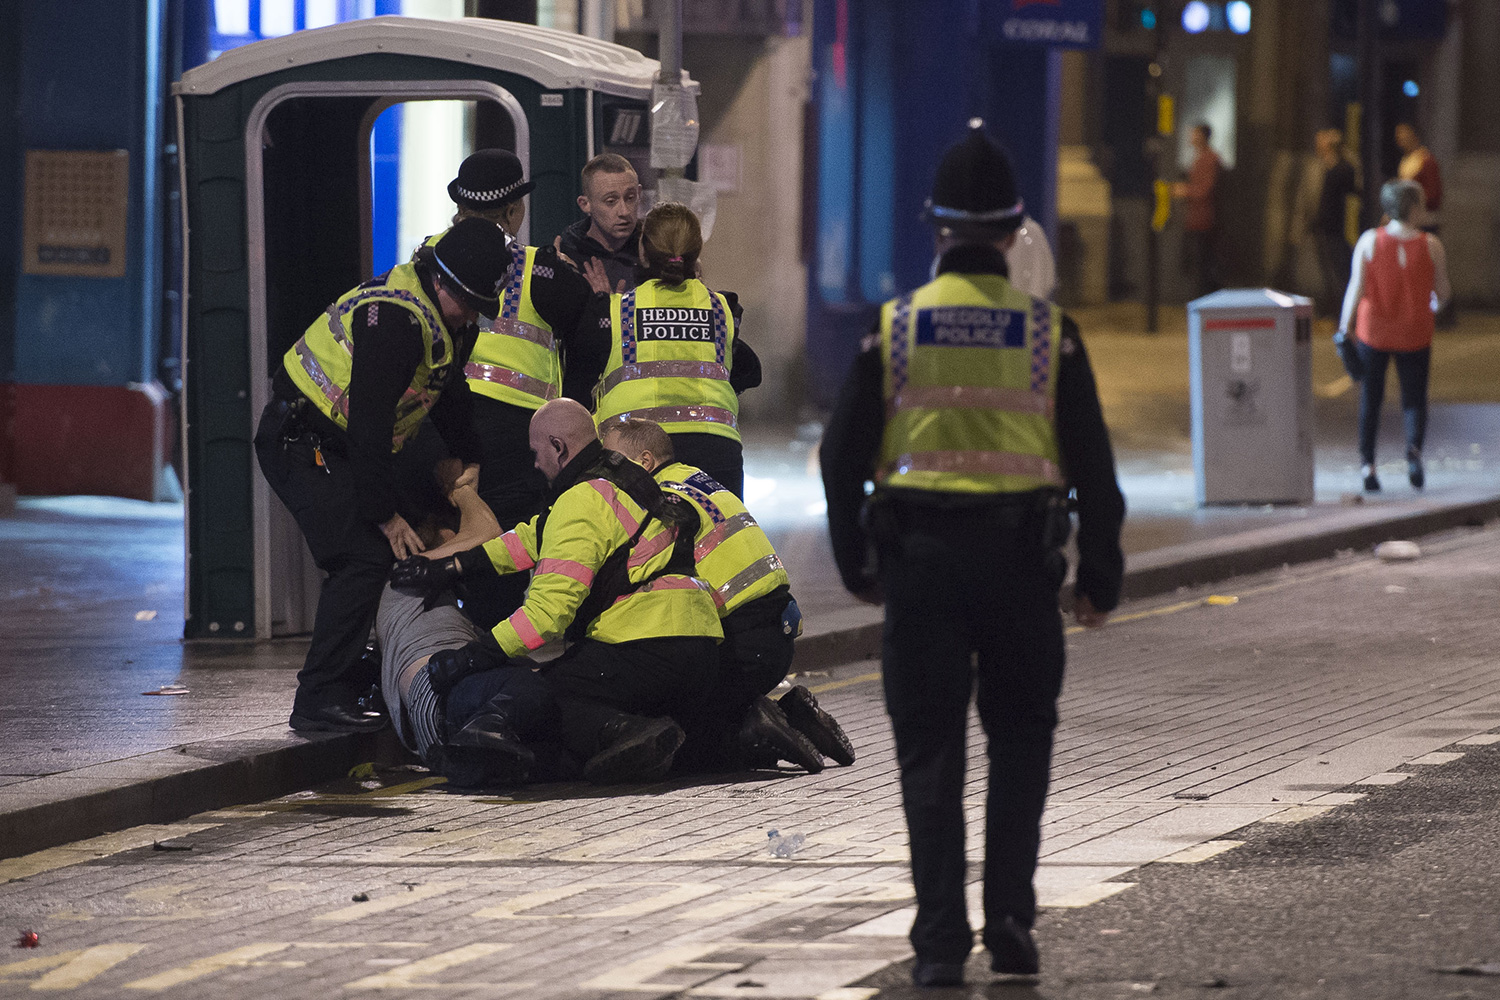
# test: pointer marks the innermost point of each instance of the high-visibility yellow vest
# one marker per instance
(515, 357)
(734, 555)
(587, 523)
(669, 362)
(970, 385)
(321, 362)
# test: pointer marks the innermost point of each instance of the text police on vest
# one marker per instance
(967, 326)
(675, 324)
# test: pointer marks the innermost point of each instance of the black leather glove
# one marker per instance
(422, 577)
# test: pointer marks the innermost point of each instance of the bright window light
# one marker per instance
(1410, 88)
(277, 18)
(322, 13)
(1195, 17)
(1238, 13)
(232, 17)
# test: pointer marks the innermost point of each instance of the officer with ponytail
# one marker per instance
(675, 353)
(973, 411)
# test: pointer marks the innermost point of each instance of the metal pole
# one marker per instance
(669, 41)
(1367, 45)
(1155, 146)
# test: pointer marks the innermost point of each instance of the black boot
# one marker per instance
(803, 712)
(635, 749)
(490, 741)
(1414, 471)
(767, 733)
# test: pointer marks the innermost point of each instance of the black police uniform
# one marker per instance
(972, 578)
(340, 487)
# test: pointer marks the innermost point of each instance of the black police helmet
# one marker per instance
(974, 192)
(488, 179)
(473, 260)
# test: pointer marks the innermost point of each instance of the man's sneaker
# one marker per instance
(766, 731)
(504, 758)
(1012, 949)
(1372, 482)
(1414, 472)
(802, 711)
(937, 973)
(635, 749)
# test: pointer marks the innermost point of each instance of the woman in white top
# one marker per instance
(1399, 280)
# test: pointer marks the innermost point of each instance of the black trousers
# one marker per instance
(596, 682)
(1411, 372)
(1335, 258)
(971, 605)
(1200, 261)
(723, 458)
(515, 489)
(756, 653)
(354, 553)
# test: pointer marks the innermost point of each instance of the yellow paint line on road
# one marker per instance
(241, 957)
(395, 901)
(69, 970)
(835, 685)
(1086, 895)
(1297, 814)
(1199, 852)
(95, 848)
(411, 975)
(1336, 388)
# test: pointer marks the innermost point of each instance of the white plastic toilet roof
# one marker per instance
(558, 60)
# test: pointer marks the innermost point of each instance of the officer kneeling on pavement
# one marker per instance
(612, 555)
(348, 395)
(974, 411)
(760, 618)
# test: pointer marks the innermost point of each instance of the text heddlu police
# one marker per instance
(968, 326)
(674, 324)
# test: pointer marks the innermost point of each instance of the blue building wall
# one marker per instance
(896, 84)
(88, 80)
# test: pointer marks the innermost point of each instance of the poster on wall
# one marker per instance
(1068, 24)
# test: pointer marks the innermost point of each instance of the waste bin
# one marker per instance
(1250, 354)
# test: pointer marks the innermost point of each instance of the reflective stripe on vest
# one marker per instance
(969, 388)
(746, 578)
(321, 362)
(675, 369)
(515, 356)
(733, 553)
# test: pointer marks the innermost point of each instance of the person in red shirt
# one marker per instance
(1419, 165)
(1399, 280)
(1200, 228)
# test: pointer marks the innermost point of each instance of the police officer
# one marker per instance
(347, 397)
(760, 617)
(973, 410)
(675, 356)
(525, 356)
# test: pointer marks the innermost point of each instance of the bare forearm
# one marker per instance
(476, 524)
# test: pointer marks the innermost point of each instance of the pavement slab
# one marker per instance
(391, 882)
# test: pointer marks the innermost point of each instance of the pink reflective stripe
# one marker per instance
(668, 583)
(568, 568)
(664, 369)
(970, 397)
(528, 384)
(517, 550)
(607, 491)
(525, 631)
(723, 530)
(522, 331)
(978, 463)
(649, 548)
(680, 414)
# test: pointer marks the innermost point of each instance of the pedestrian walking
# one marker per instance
(347, 397)
(1329, 224)
(1399, 281)
(676, 354)
(973, 410)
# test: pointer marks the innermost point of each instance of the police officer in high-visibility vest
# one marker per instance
(348, 395)
(974, 411)
(530, 353)
(760, 617)
(675, 354)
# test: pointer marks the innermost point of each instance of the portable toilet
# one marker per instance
(275, 152)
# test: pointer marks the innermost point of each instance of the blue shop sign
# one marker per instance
(1068, 24)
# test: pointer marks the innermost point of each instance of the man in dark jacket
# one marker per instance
(606, 243)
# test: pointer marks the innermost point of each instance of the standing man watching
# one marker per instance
(1329, 224)
(528, 354)
(606, 243)
(349, 394)
(1200, 229)
(974, 411)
